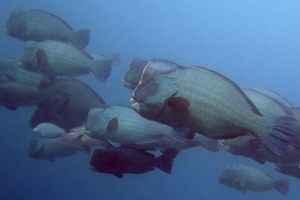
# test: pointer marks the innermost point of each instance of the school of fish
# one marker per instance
(175, 107)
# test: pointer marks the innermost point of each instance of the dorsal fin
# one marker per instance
(233, 84)
(52, 15)
(281, 105)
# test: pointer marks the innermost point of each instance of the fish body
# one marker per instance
(244, 178)
(15, 94)
(48, 149)
(38, 25)
(55, 58)
(200, 100)
(10, 70)
(251, 147)
(120, 160)
(77, 136)
(48, 130)
(133, 75)
(66, 103)
(117, 124)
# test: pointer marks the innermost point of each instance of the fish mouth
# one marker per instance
(133, 99)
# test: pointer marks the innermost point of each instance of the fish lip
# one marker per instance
(133, 99)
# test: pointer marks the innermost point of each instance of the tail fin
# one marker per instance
(101, 69)
(209, 144)
(280, 136)
(116, 57)
(164, 162)
(282, 186)
(81, 38)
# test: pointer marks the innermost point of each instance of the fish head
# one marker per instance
(37, 130)
(228, 177)
(97, 122)
(157, 85)
(27, 59)
(15, 25)
(132, 77)
(8, 68)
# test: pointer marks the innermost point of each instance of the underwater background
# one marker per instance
(254, 43)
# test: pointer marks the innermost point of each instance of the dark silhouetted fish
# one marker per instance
(196, 99)
(291, 169)
(14, 94)
(66, 103)
(244, 178)
(55, 58)
(120, 160)
(38, 25)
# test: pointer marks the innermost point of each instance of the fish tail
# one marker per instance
(116, 57)
(81, 38)
(280, 136)
(209, 144)
(282, 186)
(101, 69)
(164, 162)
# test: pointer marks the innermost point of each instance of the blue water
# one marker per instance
(255, 43)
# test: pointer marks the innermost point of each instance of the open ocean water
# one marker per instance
(255, 43)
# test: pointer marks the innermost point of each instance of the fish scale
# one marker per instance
(131, 128)
(205, 102)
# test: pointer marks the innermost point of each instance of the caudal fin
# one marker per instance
(80, 38)
(280, 136)
(116, 57)
(164, 162)
(282, 186)
(208, 143)
(101, 69)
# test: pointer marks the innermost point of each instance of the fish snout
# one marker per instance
(5, 30)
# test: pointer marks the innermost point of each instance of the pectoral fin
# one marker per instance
(113, 125)
(42, 57)
(179, 103)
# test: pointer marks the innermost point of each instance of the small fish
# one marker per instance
(196, 99)
(118, 124)
(48, 130)
(48, 149)
(133, 75)
(38, 25)
(244, 178)
(55, 58)
(120, 160)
